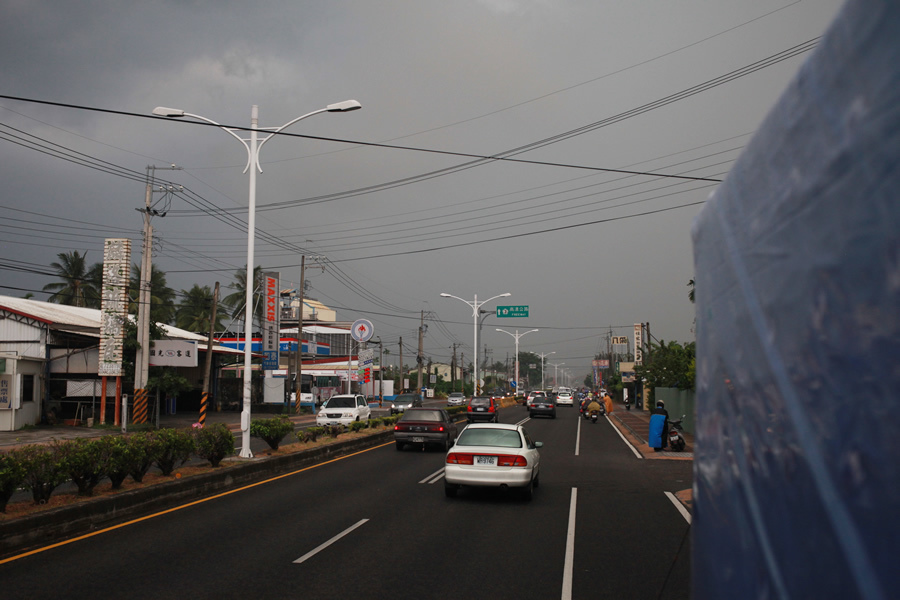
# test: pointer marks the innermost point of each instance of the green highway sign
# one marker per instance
(512, 311)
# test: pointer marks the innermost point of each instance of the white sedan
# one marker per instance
(499, 455)
(565, 399)
(343, 410)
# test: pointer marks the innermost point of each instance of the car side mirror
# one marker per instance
(539, 444)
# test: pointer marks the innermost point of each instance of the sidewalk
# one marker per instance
(635, 425)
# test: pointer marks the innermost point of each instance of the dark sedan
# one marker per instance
(423, 426)
(541, 404)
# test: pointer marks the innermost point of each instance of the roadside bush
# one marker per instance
(357, 425)
(43, 471)
(376, 423)
(175, 448)
(116, 449)
(84, 461)
(334, 430)
(142, 450)
(272, 431)
(214, 442)
(310, 434)
(12, 474)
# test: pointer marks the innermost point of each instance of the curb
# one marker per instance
(59, 524)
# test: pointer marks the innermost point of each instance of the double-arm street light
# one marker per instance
(517, 335)
(475, 305)
(556, 367)
(542, 367)
(253, 146)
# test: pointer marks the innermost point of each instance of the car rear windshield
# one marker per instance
(404, 399)
(478, 401)
(422, 415)
(499, 438)
(341, 403)
(456, 395)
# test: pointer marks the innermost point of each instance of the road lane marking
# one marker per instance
(177, 508)
(578, 437)
(627, 443)
(434, 476)
(684, 512)
(570, 549)
(523, 421)
(321, 547)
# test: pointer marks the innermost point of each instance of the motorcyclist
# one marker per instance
(592, 406)
(659, 427)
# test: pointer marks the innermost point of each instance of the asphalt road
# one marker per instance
(377, 525)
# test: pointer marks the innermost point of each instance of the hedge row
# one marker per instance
(86, 462)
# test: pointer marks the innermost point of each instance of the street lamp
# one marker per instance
(475, 305)
(517, 335)
(556, 367)
(253, 146)
(542, 367)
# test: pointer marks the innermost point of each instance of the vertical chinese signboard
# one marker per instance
(271, 320)
(638, 343)
(113, 305)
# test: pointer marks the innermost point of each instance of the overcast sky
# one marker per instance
(572, 87)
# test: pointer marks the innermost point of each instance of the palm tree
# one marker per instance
(194, 310)
(691, 293)
(236, 301)
(162, 297)
(75, 289)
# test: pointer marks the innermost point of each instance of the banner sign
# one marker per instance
(113, 305)
(638, 344)
(173, 353)
(271, 325)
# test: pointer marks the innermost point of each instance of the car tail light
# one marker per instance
(441, 428)
(509, 460)
(458, 458)
(491, 409)
(469, 408)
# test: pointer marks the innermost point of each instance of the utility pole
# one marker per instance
(419, 357)
(402, 389)
(299, 370)
(453, 369)
(204, 401)
(142, 362)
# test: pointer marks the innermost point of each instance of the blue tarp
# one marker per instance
(797, 258)
(657, 431)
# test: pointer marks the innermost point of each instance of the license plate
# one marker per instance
(486, 461)
(480, 409)
(418, 440)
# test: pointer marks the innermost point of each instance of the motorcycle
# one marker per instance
(627, 403)
(676, 435)
(594, 415)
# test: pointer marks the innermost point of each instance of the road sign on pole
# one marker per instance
(512, 311)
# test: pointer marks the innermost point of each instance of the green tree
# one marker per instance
(668, 365)
(193, 311)
(691, 293)
(236, 300)
(74, 289)
(162, 297)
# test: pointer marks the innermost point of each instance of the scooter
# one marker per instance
(627, 403)
(594, 415)
(676, 435)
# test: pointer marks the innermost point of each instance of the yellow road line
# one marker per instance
(195, 502)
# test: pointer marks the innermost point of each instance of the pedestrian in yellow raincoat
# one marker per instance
(607, 401)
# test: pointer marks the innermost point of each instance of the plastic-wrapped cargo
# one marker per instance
(797, 257)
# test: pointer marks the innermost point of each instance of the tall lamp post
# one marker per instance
(253, 146)
(517, 335)
(475, 305)
(542, 367)
(556, 367)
